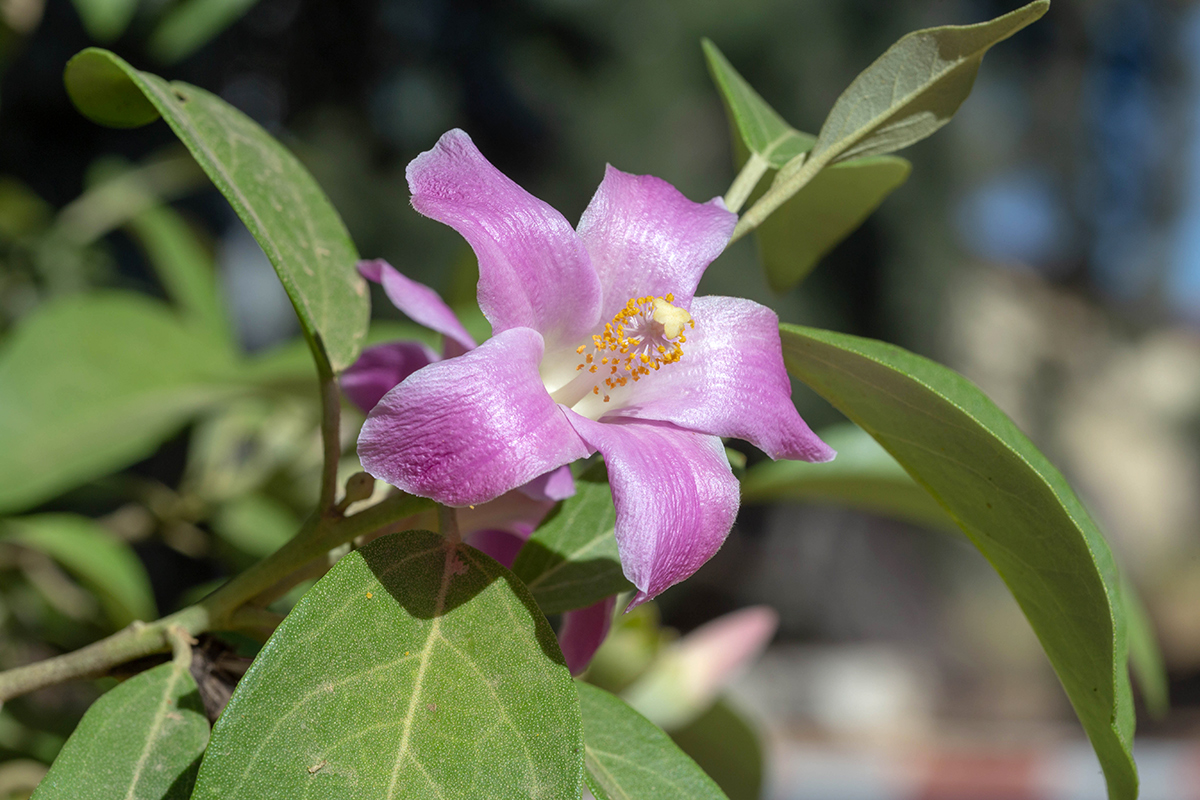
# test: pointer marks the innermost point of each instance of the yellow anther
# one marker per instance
(606, 398)
(582, 347)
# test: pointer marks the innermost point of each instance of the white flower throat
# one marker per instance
(645, 335)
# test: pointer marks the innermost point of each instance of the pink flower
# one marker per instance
(598, 345)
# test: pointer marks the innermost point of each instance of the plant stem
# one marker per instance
(331, 438)
(739, 191)
(782, 189)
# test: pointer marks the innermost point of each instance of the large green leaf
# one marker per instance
(823, 213)
(763, 131)
(414, 669)
(90, 383)
(571, 561)
(863, 476)
(1012, 504)
(141, 741)
(628, 757)
(102, 562)
(274, 195)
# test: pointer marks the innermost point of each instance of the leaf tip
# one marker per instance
(101, 85)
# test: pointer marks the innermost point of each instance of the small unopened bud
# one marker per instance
(359, 486)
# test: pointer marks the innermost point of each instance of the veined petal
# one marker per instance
(533, 270)
(466, 430)
(645, 238)
(583, 631)
(381, 368)
(675, 495)
(418, 302)
(554, 486)
(730, 382)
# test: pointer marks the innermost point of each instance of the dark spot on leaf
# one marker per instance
(989, 505)
(180, 96)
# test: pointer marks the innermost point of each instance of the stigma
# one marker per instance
(645, 335)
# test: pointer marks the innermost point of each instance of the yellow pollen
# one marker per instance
(643, 335)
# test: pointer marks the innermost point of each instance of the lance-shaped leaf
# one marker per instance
(571, 561)
(909, 92)
(414, 669)
(823, 212)
(141, 741)
(91, 383)
(628, 757)
(274, 195)
(863, 476)
(103, 563)
(1011, 503)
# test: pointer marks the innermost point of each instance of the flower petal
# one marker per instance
(418, 302)
(556, 485)
(533, 270)
(380, 368)
(583, 632)
(645, 238)
(731, 381)
(466, 430)
(675, 495)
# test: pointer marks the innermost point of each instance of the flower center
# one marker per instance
(643, 336)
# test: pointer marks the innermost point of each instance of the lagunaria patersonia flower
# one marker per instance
(597, 345)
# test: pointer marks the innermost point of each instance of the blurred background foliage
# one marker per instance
(1047, 245)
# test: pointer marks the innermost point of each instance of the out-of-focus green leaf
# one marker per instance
(414, 669)
(571, 560)
(102, 562)
(256, 524)
(91, 383)
(727, 748)
(863, 475)
(1011, 503)
(185, 267)
(763, 131)
(1144, 656)
(628, 757)
(189, 25)
(105, 20)
(22, 211)
(280, 203)
(823, 213)
(141, 741)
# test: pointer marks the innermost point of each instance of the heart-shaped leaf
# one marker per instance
(278, 200)
(1011, 503)
(414, 669)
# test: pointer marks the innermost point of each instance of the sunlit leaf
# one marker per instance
(1011, 503)
(414, 669)
(629, 757)
(571, 561)
(91, 383)
(280, 203)
(140, 741)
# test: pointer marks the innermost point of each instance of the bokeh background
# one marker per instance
(1047, 245)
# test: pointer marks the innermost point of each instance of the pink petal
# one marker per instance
(418, 302)
(513, 511)
(533, 270)
(675, 496)
(645, 238)
(382, 367)
(466, 430)
(500, 545)
(556, 485)
(730, 382)
(583, 632)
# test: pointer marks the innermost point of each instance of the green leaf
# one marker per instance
(629, 757)
(571, 561)
(414, 669)
(1145, 659)
(274, 195)
(727, 748)
(91, 383)
(186, 268)
(189, 25)
(763, 131)
(823, 213)
(1011, 503)
(863, 476)
(915, 87)
(105, 20)
(102, 562)
(140, 741)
